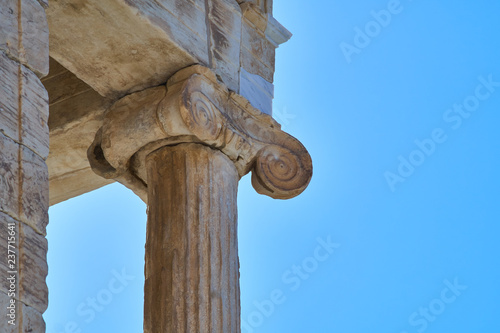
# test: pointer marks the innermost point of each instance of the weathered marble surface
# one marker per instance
(192, 266)
(24, 147)
(183, 148)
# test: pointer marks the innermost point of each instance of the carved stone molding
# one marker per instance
(195, 107)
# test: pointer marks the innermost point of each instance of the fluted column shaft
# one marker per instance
(182, 148)
(192, 267)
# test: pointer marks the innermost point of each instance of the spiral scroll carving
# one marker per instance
(201, 116)
(281, 173)
(195, 107)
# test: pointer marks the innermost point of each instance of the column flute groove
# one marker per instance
(189, 175)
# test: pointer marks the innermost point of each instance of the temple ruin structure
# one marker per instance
(171, 98)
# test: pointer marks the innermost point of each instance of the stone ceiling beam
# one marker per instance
(76, 112)
(121, 46)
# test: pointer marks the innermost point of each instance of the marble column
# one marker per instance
(192, 267)
(183, 148)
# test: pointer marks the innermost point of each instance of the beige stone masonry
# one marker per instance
(34, 101)
(32, 293)
(236, 41)
(161, 37)
(225, 40)
(24, 34)
(24, 146)
(261, 35)
(9, 176)
(29, 202)
(30, 320)
(35, 191)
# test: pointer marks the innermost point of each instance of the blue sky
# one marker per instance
(398, 230)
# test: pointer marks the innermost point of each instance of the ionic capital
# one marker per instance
(195, 107)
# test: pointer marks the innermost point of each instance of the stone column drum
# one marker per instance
(183, 148)
(192, 267)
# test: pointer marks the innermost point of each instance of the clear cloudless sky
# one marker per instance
(405, 185)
